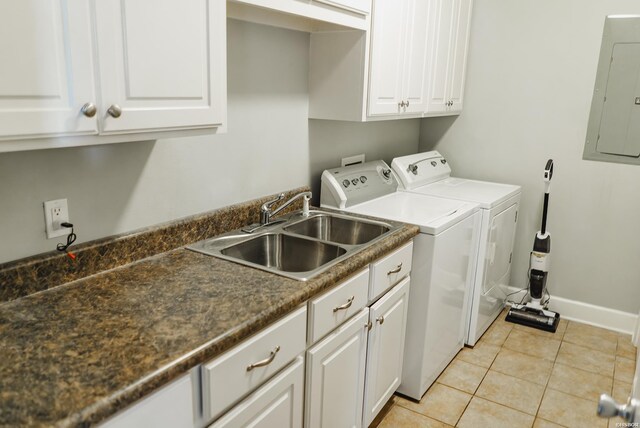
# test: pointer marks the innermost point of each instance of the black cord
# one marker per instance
(520, 291)
(71, 238)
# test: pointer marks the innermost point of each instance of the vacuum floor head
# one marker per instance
(534, 318)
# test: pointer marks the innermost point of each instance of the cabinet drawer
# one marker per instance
(391, 269)
(338, 305)
(279, 403)
(230, 376)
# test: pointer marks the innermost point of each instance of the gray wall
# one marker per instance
(270, 146)
(530, 79)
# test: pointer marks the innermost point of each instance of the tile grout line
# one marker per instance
(472, 395)
(546, 386)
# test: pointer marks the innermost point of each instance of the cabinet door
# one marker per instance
(276, 404)
(388, 31)
(335, 376)
(444, 12)
(162, 62)
(416, 60)
(385, 350)
(47, 71)
(460, 49)
(170, 407)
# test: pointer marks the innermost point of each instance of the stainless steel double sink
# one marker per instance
(296, 246)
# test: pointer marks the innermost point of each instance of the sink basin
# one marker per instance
(296, 246)
(339, 229)
(284, 252)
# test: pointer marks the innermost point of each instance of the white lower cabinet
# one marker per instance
(279, 403)
(237, 372)
(170, 407)
(335, 376)
(385, 349)
(262, 382)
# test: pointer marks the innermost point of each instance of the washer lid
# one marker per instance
(484, 193)
(432, 214)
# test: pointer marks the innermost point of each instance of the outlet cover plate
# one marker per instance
(56, 212)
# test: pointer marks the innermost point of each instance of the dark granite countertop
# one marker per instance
(75, 354)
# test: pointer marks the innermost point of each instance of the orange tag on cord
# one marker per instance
(71, 255)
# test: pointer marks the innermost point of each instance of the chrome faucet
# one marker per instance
(266, 213)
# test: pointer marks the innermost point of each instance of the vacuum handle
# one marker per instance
(548, 173)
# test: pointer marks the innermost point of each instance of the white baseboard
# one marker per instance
(587, 313)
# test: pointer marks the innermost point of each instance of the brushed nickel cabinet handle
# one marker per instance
(396, 270)
(266, 361)
(368, 325)
(407, 103)
(345, 306)
(380, 319)
(89, 110)
(115, 111)
(401, 104)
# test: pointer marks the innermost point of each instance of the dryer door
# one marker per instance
(502, 229)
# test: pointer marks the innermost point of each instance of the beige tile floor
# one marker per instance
(517, 376)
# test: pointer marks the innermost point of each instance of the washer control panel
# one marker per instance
(354, 184)
(421, 169)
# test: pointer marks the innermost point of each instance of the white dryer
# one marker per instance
(444, 254)
(429, 174)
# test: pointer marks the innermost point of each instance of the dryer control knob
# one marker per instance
(434, 163)
(346, 183)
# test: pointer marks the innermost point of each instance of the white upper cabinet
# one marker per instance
(419, 20)
(411, 64)
(76, 72)
(46, 74)
(450, 44)
(387, 57)
(160, 63)
(398, 57)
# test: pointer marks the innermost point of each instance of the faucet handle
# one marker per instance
(267, 205)
(265, 209)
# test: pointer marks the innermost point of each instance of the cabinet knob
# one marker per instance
(115, 111)
(401, 104)
(380, 319)
(89, 110)
(407, 104)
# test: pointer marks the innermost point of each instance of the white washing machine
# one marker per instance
(429, 174)
(444, 254)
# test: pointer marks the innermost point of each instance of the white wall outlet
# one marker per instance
(55, 213)
(353, 160)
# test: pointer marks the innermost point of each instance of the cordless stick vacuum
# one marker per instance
(534, 313)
